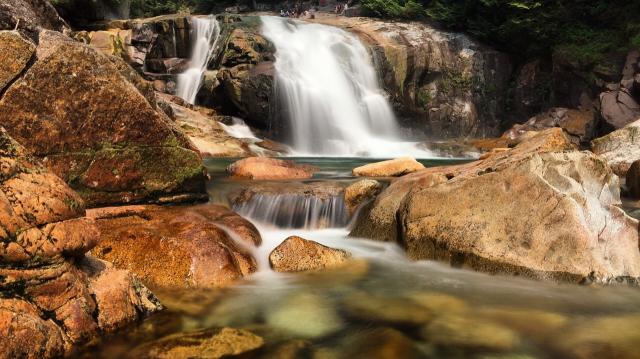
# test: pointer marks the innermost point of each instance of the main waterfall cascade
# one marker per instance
(329, 88)
(205, 33)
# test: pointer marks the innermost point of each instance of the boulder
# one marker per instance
(53, 295)
(94, 122)
(620, 148)
(203, 246)
(470, 334)
(262, 168)
(388, 310)
(481, 215)
(205, 343)
(30, 15)
(579, 125)
(619, 108)
(390, 168)
(359, 192)
(297, 254)
(633, 179)
(16, 53)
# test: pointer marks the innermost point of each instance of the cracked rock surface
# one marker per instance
(537, 210)
(53, 295)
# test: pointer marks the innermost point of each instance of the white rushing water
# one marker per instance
(327, 84)
(204, 37)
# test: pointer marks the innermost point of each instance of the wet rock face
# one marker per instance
(202, 246)
(95, 124)
(29, 15)
(52, 296)
(262, 168)
(244, 82)
(482, 215)
(359, 192)
(443, 83)
(297, 254)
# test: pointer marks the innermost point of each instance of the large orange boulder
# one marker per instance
(94, 122)
(203, 246)
(263, 168)
(52, 296)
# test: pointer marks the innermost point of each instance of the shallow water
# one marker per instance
(382, 305)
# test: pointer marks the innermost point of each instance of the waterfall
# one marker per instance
(295, 210)
(327, 85)
(204, 36)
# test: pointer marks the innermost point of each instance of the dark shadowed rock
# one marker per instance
(94, 122)
(297, 254)
(633, 179)
(175, 247)
(29, 15)
(619, 108)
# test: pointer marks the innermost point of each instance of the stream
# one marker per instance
(381, 305)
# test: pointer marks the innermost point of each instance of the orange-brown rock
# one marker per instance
(16, 53)
(51, 294)
(536, 210)
(176, 247)
(389, 168)
(360, 192)
(89, 117)
(579, 125)
(297, 254)
(262, 168)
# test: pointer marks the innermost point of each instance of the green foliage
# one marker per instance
(586, 29)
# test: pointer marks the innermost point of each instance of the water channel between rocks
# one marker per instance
(381, 305)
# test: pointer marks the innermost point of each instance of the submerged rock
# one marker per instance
(359, 192)
(457, 332)
(207, 343)
(482, 215)
(381, 343)
(297, 254)
(175, 247)
(390, 310)
(390, 168)
(94, 122)
(52, 295)
(262, 168)
(305, 315)
(620, 148)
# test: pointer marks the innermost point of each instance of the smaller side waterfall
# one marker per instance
(205, 33)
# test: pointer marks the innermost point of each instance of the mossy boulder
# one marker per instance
(94, 122)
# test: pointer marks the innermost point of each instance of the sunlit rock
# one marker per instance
(262, 168)
(297, 254)
(176, 247)
(390, 168)
(360, 192)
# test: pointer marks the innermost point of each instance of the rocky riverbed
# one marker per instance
(136, 224)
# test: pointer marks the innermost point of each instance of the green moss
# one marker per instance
(72, 203)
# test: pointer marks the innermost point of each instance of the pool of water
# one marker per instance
(381, 305)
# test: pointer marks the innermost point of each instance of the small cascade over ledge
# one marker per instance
(328, 87)
(294, 205)
(205, 32)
